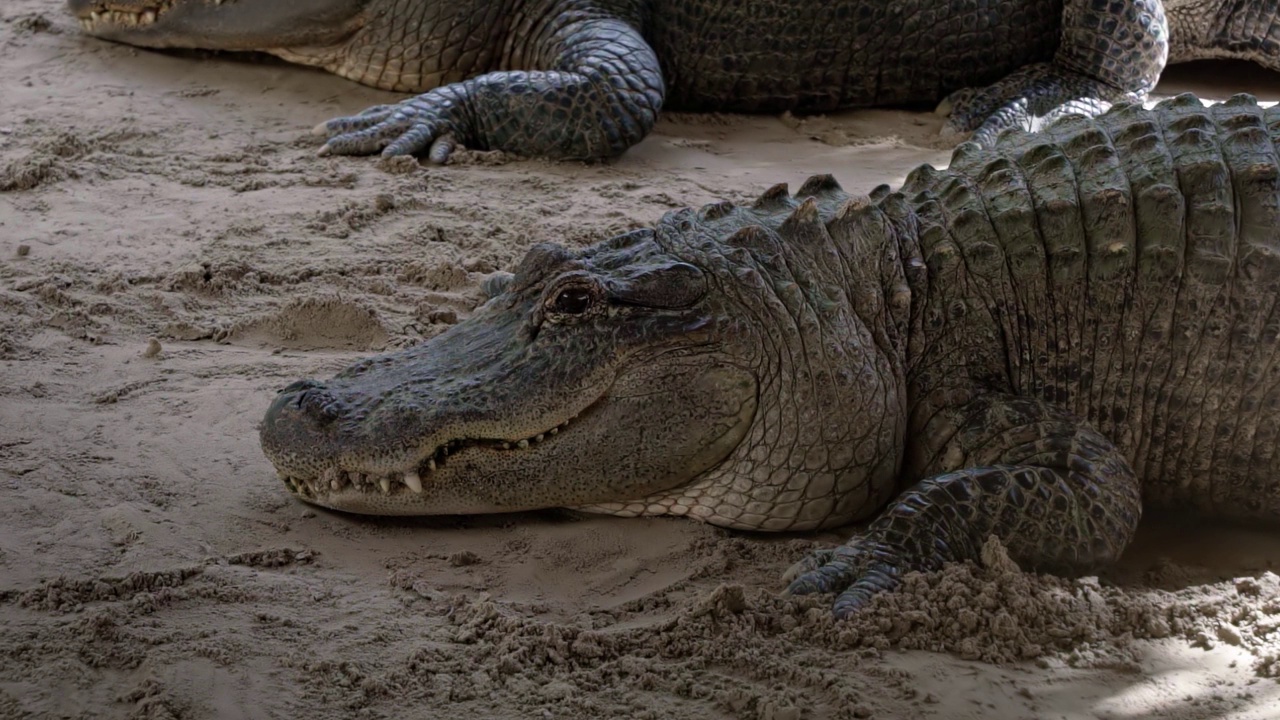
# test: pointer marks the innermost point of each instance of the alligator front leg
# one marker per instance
(1059, 495)
(598, 94)
(1111, 50)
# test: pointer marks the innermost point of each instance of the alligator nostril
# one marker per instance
(319, 404)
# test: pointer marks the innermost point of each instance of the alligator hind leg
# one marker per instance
(1030, 98)
(1110, 50)
(1059, 495)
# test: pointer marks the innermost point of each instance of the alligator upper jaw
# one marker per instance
(235, 25)
(350, 489)
(96, 17)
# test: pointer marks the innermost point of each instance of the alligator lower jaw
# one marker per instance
(335, 482)
(107, 17)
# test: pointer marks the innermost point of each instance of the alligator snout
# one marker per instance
(299, 427)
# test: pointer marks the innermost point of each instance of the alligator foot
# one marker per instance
(595, 100)
(427, 122)
(856, 571)
(1026, 99)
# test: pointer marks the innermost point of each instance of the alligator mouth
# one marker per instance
(336, 481)
(106, 14)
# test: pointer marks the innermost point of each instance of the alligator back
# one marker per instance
(1126, 268)
(818, 56)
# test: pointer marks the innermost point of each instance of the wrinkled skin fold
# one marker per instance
(1032, 345)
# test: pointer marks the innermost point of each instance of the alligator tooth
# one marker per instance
(334, 485)
(149, 17)
(522, 444)
(385, 484)
(95, 15)
(506, 446)
(413, 481)
(539, 438)
(553, 431)
(431, 465)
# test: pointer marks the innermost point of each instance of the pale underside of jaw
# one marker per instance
(335, 480)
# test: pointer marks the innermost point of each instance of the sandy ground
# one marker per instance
(151, 566)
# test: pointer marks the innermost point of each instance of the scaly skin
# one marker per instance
(586, 78)
(1030, 344)
(1224, 29)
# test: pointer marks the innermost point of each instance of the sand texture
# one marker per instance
(172, 252)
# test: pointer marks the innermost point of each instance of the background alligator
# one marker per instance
(586, 78)
(1030, 344)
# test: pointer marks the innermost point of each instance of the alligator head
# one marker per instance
(725, 365)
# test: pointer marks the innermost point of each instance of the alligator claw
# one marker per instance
(828, 574)
(365, 119)
(355, 141)
(441, 149)
(815, 560)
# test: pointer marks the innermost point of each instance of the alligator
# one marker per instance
(586, 78)
(1032, 344)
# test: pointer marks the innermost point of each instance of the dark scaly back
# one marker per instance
(1124, 267)
(820, 56)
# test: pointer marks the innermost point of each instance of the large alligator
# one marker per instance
(1031, 344)
(586, 78)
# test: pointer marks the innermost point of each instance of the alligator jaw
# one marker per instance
(97, 16)
(236, 25)
(348, 490)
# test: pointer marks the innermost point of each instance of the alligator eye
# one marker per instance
(572, 301)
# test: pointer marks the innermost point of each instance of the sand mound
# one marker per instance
(313, 323)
